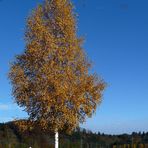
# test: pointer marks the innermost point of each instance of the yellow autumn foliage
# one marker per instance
(51, 79)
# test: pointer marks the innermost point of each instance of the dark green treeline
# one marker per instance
(10, 137)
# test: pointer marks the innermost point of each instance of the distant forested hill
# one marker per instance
(10, 137)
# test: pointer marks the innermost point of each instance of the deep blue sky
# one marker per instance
(116, 34)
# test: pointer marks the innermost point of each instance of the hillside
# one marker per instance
(12, 138)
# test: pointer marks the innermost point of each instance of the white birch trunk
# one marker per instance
(56, 139)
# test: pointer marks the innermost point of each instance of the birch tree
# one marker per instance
(51, 79)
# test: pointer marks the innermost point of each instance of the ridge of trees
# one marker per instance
(10, 135)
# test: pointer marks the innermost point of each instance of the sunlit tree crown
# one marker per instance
(51, 78)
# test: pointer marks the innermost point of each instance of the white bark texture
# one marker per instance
(56, 139)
